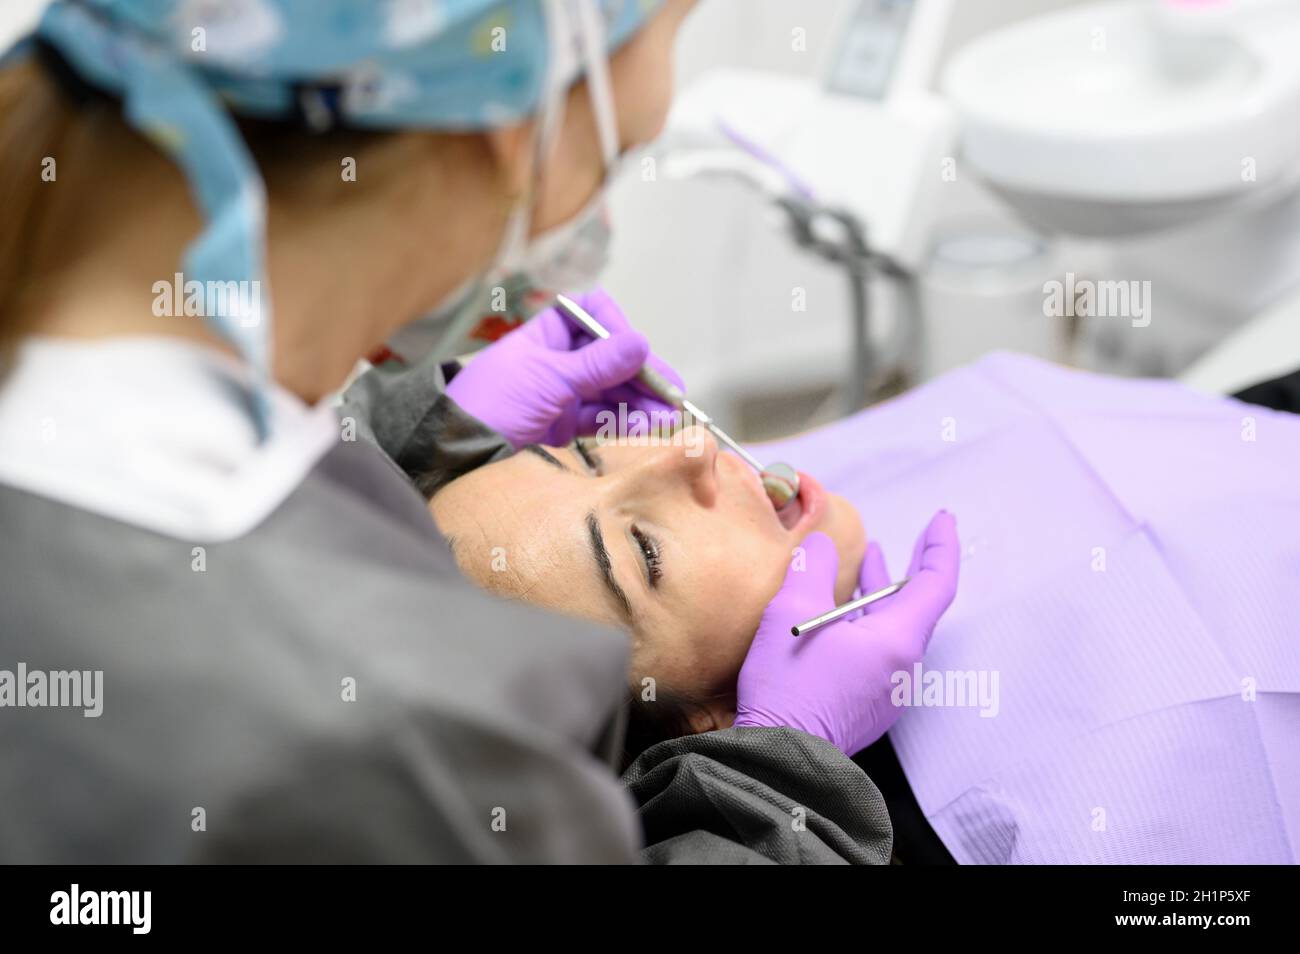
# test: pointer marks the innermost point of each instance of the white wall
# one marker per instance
(703, 268)
(17, 17)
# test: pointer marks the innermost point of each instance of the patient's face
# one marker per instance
(677, 544)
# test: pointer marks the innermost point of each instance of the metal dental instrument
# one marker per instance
(846, 609)
(780, 481)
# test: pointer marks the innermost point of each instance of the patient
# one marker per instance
(677, 543)
(1131, 553)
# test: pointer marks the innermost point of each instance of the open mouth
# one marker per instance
(802, 512)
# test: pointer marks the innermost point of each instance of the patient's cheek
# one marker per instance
(843, 525)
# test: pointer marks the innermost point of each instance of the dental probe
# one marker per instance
(780, 481)
(840, 611)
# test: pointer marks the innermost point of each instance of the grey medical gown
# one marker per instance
(481, 730)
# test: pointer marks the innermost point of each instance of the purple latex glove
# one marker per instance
(835, 682)
(547, 381)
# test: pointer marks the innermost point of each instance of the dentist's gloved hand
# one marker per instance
(834, 682)
(547, 381)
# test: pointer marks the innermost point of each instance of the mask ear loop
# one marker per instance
(548, 120)
(547, 125)
(600, 88)
(561, 71)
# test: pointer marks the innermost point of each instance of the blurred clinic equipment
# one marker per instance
(1111, 185)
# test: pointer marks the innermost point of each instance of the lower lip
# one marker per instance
(812, 499)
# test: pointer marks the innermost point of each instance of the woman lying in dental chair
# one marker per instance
(1118, 679)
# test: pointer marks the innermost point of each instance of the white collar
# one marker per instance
(155, 432)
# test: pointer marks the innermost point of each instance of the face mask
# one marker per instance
(568, 257)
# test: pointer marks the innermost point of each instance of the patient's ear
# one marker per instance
(709, 716)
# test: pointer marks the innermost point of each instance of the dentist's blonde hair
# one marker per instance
(62, 145)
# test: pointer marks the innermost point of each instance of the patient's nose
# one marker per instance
(685, 464)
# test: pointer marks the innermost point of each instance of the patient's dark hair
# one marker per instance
(668, 716)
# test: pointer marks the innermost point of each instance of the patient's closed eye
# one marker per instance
(651, 553)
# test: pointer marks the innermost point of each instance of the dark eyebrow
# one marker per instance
(545, 455)
(599, 552)
(606, 567)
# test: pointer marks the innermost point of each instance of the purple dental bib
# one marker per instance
(1118, 680)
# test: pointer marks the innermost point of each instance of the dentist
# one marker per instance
(212, 211)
